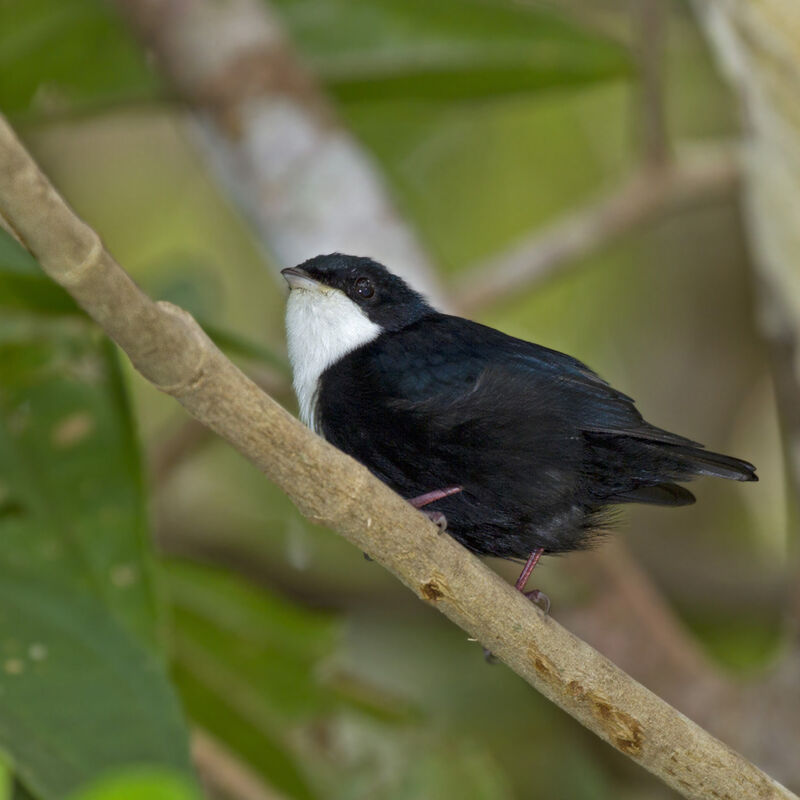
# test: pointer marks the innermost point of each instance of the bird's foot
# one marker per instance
(438, 519)
(539, 598)
(536, 596)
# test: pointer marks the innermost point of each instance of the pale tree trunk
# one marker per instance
(757, 44)
(273, 138)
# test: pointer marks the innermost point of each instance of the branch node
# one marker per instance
(195, 374)
(74, 275)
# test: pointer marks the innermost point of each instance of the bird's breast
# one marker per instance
(322, 326)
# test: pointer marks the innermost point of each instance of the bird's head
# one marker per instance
(356, 287)
(337, 304)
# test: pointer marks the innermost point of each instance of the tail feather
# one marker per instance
(663, 494)
(705, 462)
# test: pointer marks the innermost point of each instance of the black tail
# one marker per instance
(704, 462)
(633, 469)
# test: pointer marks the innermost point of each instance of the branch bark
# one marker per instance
(170, 350)
(273, 138)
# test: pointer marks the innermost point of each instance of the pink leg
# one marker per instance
(436, 494)
(535, 595)
(436, 517)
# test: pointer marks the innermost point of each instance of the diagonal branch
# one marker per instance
(168, 347)
(648, 194)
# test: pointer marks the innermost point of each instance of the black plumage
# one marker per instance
(539, 444)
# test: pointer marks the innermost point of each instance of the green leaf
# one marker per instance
(140, 784)
(6, 779)
(82, 685)
(57, 56)
(247, 665)
(72, 507)
(78, 695)
(189, 281)
(23, 285)
(448, 50)
(236, 345)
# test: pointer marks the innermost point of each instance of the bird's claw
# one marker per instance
(539, 598)
(437, 518)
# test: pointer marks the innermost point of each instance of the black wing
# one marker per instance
(449, 401)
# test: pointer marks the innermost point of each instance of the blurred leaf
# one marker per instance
(6, 778)
(357, 759)
(78, 695)
(191, 282)
(240, 729)
(62, 55)
(23, 285)
(246, 664)
(71, 484)
(744, 643)
(453, 49)
(228, 627)
(256, 671)
(140, 784)
(465, 771)
(235, 345)
(82, 687)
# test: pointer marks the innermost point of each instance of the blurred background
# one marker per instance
(568, 172)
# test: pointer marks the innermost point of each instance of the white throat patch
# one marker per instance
(322, 325)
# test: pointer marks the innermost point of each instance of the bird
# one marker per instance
(518, 450)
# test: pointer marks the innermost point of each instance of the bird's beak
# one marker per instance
(299, 279)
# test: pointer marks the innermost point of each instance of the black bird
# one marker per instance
(521, 448)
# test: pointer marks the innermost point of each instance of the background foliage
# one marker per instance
(141, 595)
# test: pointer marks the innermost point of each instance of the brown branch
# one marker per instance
(171, 351)
(180, 445)
(649, 194)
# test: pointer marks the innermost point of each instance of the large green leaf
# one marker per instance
(450, 49)
(59, 55)
(247, 664)
(78, 694)
(71, 489)
(82, 686)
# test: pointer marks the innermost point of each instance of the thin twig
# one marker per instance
(168, 347)
(649, 194)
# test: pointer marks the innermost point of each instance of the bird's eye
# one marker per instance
(364, 288)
